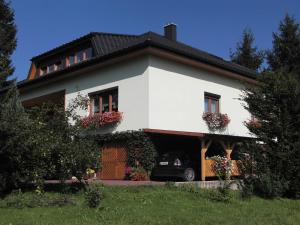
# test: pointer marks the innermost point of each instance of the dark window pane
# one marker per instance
(79, 56)
(71, 59)
(206, 104)
(105, 101)
(51, 68)
(115, 101)
(213, 105)
(88, 53)
(96, 104)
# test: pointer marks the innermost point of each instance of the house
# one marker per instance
(164, 87)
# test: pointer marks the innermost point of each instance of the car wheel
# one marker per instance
(189, 174)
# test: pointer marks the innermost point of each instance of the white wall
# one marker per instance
(129, 76)
(158, 94)
(176, 98)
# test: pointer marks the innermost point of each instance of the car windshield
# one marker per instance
(169, 156)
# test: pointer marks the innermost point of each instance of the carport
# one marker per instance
(201, 145)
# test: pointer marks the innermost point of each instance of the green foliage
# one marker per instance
(41, 144)
(275, 158)
(138, 145)
(286, 46)
(66, 152)
(94, 195)
(17, 157)
(246, 54)
(8, 41)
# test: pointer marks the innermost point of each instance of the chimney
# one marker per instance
(171, 31)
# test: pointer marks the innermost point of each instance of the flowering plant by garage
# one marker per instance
(216, 121)
(136, 173)
(98, 120)
(223, 167)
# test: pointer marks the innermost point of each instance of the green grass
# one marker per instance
(157, 205)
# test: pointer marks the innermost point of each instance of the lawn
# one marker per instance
(157, 205)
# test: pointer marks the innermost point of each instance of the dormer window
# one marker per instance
(65, 61)
(43, 70)
(71, 60)
(79, 56)
(88, 53)
(51, 68)
(58, 65)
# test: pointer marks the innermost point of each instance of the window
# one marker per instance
(71, 60)
(212, 103)
(106, 101)
(88, 53)
(79, 56)
(43, 70)
(51, 68)
(58, 65)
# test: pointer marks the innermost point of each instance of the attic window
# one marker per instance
(51, 68)
(88, 53)
(79, 56)
(43, 70)
(58, 65)
(71, 60)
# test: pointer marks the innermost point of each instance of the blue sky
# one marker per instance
(214, 26)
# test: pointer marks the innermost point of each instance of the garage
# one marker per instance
(113, 162)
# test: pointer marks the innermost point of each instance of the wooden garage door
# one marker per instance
(113, 163)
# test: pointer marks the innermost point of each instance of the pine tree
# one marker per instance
(246, 54)
(286, 46)
(7, 41)
(275, 105)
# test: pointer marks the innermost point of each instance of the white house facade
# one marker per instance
(158, 84)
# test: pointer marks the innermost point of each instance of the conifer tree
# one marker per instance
(7, 41)
(275, 105)
(246, 54)
(286, 46)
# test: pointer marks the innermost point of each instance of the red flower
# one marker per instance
(216, 120)
(253, 123)
(99, 119)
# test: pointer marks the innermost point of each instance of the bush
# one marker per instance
(139, 174)
(94, 195)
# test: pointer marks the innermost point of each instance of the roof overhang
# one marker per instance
(197, 135)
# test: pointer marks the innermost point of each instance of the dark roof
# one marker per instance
(107, 45)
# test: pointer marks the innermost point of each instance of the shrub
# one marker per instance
(223, 168)
(139, 174)
(94, 195)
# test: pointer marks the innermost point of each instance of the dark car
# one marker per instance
(174, 165)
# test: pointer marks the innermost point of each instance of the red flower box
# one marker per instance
(216, 121)
(98, 120)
